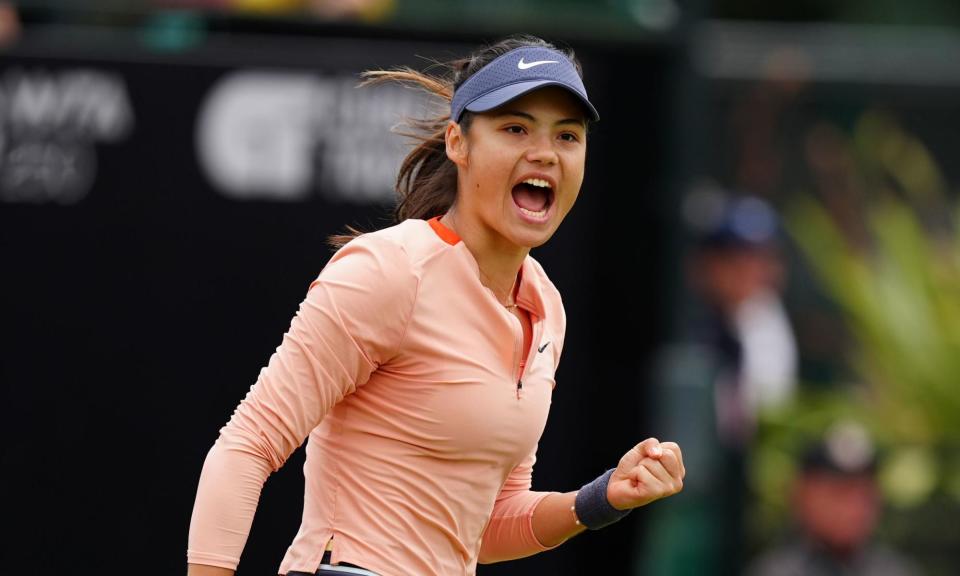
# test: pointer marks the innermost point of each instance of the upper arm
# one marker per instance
(520, 478)
(509, 534)
(352, 319)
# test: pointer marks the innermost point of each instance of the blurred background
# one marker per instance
(770, 201)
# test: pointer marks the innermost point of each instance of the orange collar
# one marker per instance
(446, 234)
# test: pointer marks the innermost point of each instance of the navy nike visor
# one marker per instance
(514, 74)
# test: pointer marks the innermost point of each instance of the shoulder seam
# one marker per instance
(380, 239)
(413, 305)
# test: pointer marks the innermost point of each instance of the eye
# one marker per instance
(570, 137)
(515, 129)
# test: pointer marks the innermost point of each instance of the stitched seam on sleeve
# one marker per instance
(413, 305)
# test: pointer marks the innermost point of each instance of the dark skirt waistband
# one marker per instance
(328, 569)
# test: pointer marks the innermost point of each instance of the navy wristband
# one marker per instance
(592, 507)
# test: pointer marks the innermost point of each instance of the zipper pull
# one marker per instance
(519, 388)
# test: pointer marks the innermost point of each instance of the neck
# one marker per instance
(498, 260)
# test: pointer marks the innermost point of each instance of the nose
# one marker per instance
(541, 151)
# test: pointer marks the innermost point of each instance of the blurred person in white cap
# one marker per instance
(836, 503)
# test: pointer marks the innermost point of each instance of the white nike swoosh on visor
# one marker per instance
(524, 65)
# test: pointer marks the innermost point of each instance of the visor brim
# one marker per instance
(501, 96)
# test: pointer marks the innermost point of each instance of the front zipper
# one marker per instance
(518, 351)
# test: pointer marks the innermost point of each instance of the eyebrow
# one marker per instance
(578, 121)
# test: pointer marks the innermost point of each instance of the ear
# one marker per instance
(456, 143)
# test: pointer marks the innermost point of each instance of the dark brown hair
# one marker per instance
(427, 181)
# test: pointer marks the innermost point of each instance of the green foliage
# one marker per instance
(896, 280)
(900, 292)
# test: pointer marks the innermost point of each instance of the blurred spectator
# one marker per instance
(735, 357)
(368, 10)
(364, 10)
(836, 503)
(9, 24)
(736, 272)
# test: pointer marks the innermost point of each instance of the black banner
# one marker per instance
(161, 215)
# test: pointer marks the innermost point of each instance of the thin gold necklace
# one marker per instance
(452, 226)
(510, 293)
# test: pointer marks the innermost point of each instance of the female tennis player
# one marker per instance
(421, 362)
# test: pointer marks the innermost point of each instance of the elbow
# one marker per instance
(485, 557)
(492, 550)
(502, 551)
(492, 557)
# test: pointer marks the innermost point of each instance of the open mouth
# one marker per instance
(533, 196)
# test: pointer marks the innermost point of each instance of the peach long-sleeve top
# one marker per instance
(422, 408)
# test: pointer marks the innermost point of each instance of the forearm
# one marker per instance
(227, 496)
(553, 520)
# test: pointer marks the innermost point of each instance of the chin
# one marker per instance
(534, 240)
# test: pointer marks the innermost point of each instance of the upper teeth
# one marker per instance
(537, 182)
